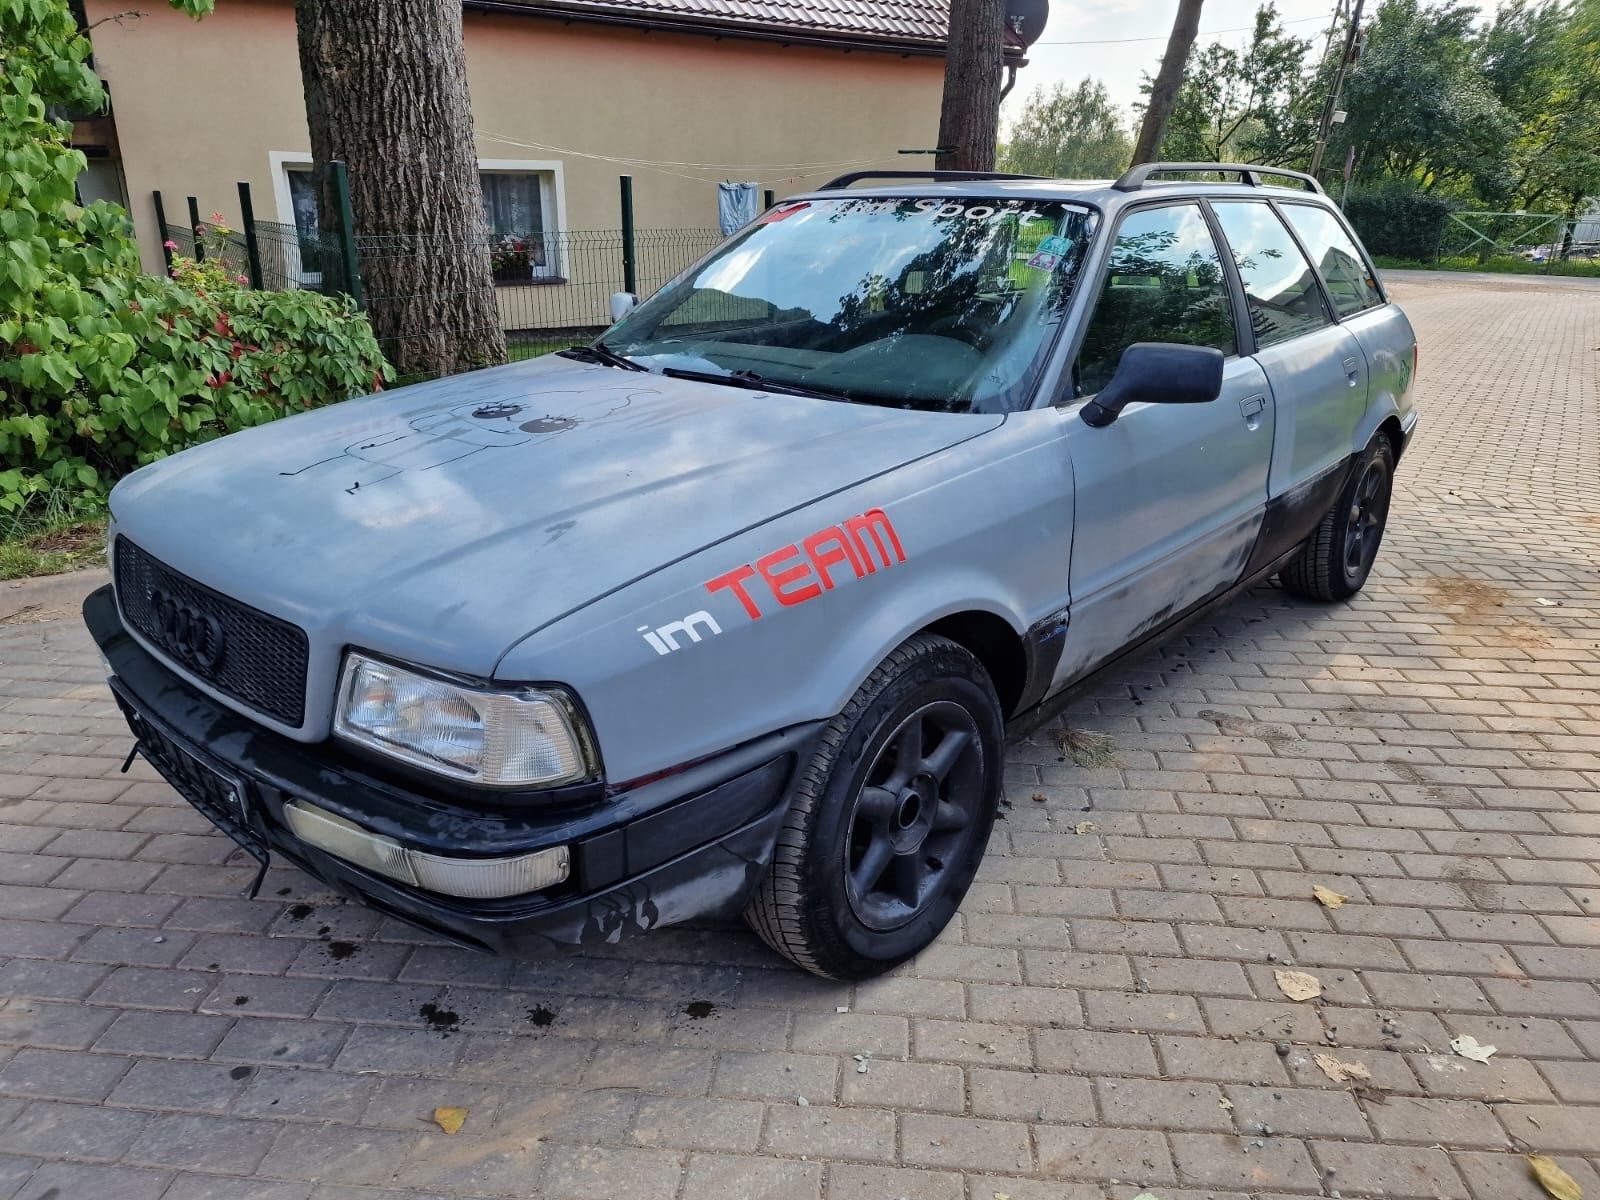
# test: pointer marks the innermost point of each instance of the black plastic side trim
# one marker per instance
(1290, 518)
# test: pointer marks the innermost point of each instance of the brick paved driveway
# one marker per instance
(1102, 1019)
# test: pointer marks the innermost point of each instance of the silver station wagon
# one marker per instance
(730, 610)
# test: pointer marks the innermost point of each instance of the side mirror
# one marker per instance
(1157, 373)
(622, 303)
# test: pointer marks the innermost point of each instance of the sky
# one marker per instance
(1121, 65)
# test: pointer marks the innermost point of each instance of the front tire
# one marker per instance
(1338, 556)
(890, 817)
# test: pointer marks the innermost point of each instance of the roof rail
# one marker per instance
(1134, 177)
(846, 180)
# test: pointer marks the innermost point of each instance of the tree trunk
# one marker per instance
(386, 91)
(1164, 91)
(969, 118)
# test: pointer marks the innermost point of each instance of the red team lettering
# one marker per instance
(796, 573)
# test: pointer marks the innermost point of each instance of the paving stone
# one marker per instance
(1030, 1096)
(965, 1143)
(61, 1074)
(1162, 1104)
(1074, 1152)
(827, 1132)
(1380, 1170)
(752, 1178)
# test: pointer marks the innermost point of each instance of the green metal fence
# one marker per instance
(550, 289)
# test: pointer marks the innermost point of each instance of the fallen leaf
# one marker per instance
(802, 1102)
(1038, 797)
(1553, 1179)
(1328, 897)
(1297, 985)
(1470, 1047)
(1341, 1072)
(1083, 827)
(1002, 1196)
(450, 1119)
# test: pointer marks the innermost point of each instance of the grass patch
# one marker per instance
(1505, 264)
(1086, 748)
(50, 537)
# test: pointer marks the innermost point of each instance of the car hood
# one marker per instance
(447, 519)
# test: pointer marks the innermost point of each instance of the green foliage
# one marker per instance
(1250, 105)
(1399, 220)
(1065, 133)
(1421, 106)
(102, 368)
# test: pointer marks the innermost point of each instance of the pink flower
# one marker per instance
(218, 218)
(241, 279)
(169, 244)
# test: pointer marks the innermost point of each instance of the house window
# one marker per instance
(514, 204)
(517, 205)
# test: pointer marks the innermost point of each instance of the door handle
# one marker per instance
(1251, 407)
(1352, 371)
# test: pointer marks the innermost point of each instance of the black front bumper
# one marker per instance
(691, 844)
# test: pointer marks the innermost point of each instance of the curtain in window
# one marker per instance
(511, 202)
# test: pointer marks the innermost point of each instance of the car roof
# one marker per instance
(1099, 193)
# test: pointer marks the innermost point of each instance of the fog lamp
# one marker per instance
(468, 878)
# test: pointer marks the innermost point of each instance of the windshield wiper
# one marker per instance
(599, 352)
(755, 383)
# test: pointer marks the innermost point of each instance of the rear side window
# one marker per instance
(1278, 281)
(1350, 284)
(1164, 284)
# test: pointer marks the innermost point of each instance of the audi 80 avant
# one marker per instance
(730, 610)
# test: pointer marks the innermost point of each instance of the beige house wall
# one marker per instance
(202, 105)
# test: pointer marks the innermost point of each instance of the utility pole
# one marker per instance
(1325, 125)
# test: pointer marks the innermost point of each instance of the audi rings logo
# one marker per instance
(184, 631)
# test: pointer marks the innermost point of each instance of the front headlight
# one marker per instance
(522, 738)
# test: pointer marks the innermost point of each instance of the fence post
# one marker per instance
(161, 229)
(252, 251)
(194, 229)
(347, 232)
(769, 198)
(630, 265)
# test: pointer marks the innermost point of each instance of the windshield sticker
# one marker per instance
(1044, 261)
(859, 546)
(1055, 244)
(774, 215)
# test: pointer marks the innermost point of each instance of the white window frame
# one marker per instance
(552, 203)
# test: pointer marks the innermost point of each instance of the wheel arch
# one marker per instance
(996, 644)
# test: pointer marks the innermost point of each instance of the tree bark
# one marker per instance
(969, 117)
(1164, 91)
(386, 91)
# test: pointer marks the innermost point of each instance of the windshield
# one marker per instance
(923, 303)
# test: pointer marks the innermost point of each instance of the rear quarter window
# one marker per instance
(1338, 261)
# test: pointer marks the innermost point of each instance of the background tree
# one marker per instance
(1543, 63)
(969, 115)
(1249, 105)
(386, 91)
(1168, 80)
(1069, 133)
(1421, 107)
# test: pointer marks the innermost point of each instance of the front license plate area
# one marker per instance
(216, 794)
